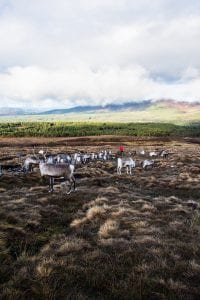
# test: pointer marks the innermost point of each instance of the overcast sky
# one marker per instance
(61, 53)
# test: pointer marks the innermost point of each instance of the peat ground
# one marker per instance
(117, 237)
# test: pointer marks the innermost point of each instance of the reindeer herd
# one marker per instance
(63, 165)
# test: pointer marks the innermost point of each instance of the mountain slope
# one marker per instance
(146, 111)
(97, 108)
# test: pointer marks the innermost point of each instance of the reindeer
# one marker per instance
(29, 162)
(164, 154)
(153, 154)
(93, 156)
(85, 158)
(100, 155)
(50, 159)
(141, 152)
(33, 160)
(133, 153)
(60, 170)
(42, 152)
(76, 159)
(63, 158)
(128, 163)
(148, 163)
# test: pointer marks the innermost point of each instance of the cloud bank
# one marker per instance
(64, 53)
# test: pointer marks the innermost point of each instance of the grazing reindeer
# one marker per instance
(153, 154)
(63, 158)
(141, 152)
(32, 160)
(76, 158)
(132, 153)
(128, 163)
(42, 152)
(85, 158)
(164, 153)
(29, 162)
(92, 156)
(148, 163)
(57, 171)
(51, 159)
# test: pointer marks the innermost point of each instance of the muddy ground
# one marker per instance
(117, 237)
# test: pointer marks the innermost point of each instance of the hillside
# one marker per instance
(145, 111)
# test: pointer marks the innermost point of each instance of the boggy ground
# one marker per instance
(116, 237)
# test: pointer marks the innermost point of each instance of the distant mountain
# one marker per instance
(182, 106)
(145, 105)
(97, 108)
(15, 111)
(11, 111)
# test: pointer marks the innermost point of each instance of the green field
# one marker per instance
(155, 113)
(72, 129)
(160, 119)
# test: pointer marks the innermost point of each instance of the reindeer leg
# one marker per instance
(49, 184)
(74, 182)
(51, 180)
(52, 183)
(70, 188)
(71, 180)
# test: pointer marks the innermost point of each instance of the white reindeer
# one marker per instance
(85, 158)
(63, 158)
(164, 154)
(148, 163)
(153, 154)
(142, 152)
(41, 151)
(127, 163)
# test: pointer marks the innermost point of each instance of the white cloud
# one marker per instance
(64, 53)
(80, 86)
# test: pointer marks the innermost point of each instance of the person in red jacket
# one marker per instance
(121, 150)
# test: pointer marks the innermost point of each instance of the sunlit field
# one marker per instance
(117, 237)
(153, 114)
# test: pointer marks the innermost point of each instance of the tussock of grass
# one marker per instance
(108, 229)
(96, 212)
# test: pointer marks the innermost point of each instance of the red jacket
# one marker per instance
(121, 148)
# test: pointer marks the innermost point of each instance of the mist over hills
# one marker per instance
(145, 105)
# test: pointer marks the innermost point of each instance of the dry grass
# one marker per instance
(117, 237)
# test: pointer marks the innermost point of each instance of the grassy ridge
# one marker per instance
(68, 129)
(159, 112)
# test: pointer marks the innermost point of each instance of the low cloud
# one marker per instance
(80, 86)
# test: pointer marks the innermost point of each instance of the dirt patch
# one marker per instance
(75, 141)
